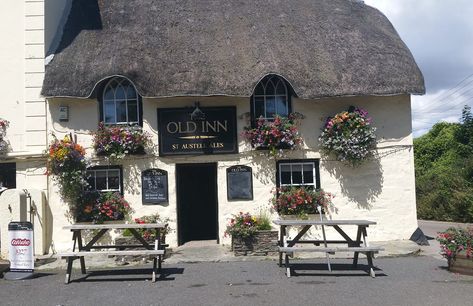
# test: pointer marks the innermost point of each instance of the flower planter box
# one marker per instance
(103, 222)
(138, 151)
(315, 217)
(461, 264)
(263, 243)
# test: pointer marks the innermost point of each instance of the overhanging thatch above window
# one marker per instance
(167, 48)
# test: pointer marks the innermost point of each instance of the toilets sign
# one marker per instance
(214, 132)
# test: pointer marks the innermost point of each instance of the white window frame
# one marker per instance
(292, 164)
(270, 81)
(93, 172)
(113, 85)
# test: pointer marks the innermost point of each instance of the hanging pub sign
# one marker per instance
(206, 130)
(239, 183)
(154, 186)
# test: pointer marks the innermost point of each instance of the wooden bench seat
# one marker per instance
(112, 253)
(373, 249)
(71, 256)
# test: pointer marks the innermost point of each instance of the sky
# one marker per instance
(439, 34)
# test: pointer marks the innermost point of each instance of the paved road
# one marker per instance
(402, 281)
(413, 280)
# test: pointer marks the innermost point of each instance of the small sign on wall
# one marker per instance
(239, 183)
(154, 186)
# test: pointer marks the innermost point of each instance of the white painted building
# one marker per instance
(28, 31)
(329, 55)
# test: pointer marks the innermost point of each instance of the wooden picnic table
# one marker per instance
(287, 247)
(80, 249)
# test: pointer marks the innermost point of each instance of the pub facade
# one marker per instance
(196, 75)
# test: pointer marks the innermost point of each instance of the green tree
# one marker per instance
(444, 171)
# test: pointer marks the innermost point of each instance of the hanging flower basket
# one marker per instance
(119, 141)
(280, 133)
(349, 136)
(66, 164)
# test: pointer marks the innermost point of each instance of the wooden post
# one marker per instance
(82, 259)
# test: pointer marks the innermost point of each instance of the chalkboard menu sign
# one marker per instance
(154, 186)
(239, 183)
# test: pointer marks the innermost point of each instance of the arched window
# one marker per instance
(120, 103)
(272, 96)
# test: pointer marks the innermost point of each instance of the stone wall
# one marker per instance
(263, 243)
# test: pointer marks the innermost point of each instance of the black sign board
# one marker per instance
(154, 186)
(213, 133)
(239, 183)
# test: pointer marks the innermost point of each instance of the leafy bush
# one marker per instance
(263, 222)
(349, 136)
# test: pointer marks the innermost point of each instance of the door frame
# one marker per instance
(178, 198)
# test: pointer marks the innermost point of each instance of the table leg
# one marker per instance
(325, 245)
(74, 240)
(69, 261)
(286, 263)
(82, 259)
(282, 235)
(369, 255)
(358, 243)
(158, 246)
(155, 259)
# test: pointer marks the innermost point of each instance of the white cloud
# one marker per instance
(439, 34)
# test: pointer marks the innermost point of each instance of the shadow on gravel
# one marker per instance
(322, 270)
(138, 275)
(42, 274)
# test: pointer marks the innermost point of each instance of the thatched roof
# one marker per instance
(224, 47)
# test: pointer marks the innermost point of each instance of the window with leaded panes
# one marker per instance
(105, 179)
(120, 103)
(298, 173)
(271, 97)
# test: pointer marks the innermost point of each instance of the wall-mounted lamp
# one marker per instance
(197, 114)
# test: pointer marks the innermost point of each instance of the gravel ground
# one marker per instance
(412, 280)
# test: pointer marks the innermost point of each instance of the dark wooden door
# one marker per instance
(196, 202)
